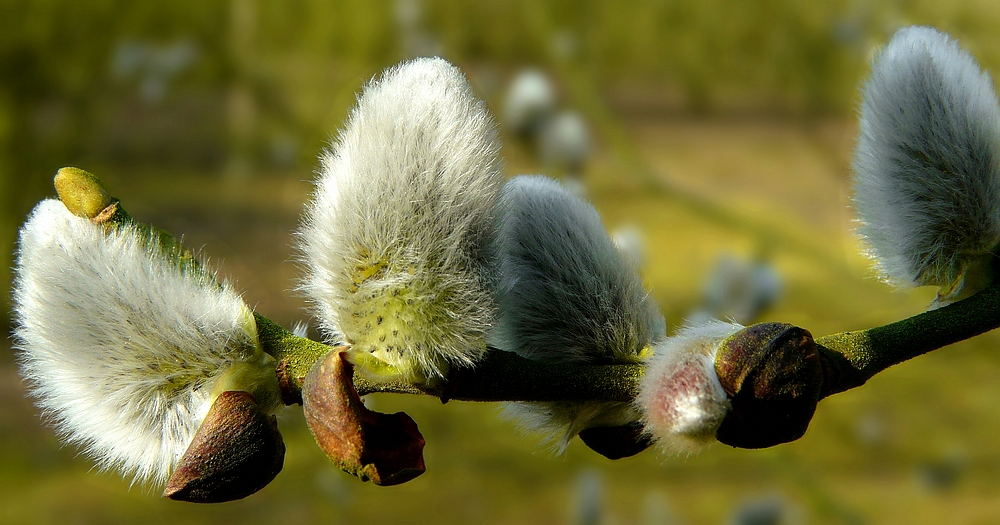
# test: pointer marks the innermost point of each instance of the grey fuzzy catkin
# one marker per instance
(567, 294)
(927, 163)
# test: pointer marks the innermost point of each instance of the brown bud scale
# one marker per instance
(236, 452)
(617, 442)
(773, 377)
(386, 449)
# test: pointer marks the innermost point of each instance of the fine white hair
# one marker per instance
(927, 163)
(680, 396)
(567, 294)
(121, 347)
(394, 242)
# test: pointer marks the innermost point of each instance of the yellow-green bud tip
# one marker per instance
(81, 192)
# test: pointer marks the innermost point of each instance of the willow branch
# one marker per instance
(499, 376)
(852, 358)
(849, 359)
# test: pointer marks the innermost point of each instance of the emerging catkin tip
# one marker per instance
(680, 396)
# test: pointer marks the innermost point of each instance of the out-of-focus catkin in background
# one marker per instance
(714, 138)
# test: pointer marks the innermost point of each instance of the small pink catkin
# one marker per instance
(682, 401)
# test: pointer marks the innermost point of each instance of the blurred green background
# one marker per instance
(718, 126)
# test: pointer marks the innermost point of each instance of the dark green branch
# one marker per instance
(854, 357)
(499, 376)
(849, 360)
(505, 376)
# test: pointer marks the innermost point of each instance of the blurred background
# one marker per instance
(713, 136)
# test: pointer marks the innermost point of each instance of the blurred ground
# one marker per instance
(718, 125)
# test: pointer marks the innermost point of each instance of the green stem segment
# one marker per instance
(499, 376)
(851, 358)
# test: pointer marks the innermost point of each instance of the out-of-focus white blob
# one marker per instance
(588, 506)
(739, 289)
(530, 101)
(772, 509)
(629, 239)
(564, 143)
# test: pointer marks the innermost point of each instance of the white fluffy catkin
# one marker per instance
(927, 163)
(123, 350)
(567, 294)
(680, 396)
(395, 240)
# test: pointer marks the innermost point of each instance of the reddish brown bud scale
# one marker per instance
(236, 452)
(386, 449)
(773, 377)
(290, 393)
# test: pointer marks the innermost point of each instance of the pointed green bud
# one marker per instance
(82, 192)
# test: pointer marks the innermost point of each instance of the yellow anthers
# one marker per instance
(367, 270)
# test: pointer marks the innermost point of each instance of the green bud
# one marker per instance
(85, 196)
(82, 193)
